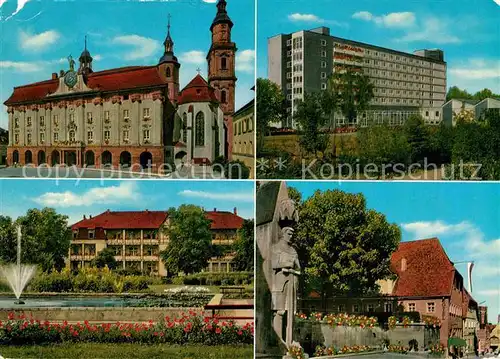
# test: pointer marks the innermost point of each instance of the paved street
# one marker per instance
(74, 172)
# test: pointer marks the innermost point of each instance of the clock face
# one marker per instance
(70, 78)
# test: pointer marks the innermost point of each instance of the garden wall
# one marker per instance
(313, 334)
(99, 314)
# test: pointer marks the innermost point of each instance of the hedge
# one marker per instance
(216, 279)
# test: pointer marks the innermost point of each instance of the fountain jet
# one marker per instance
(18, 275)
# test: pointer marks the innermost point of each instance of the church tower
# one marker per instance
(85, 61)
(221, 65)
(169, 67)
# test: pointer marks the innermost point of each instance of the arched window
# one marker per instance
(223, 96)
(200, 129)
(223, 63)
(184, 128)
(168, 72)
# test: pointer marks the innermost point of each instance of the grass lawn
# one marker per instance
(125, 351)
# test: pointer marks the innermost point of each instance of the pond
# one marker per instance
(110, 302)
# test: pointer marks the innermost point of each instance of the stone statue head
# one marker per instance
(287, 234)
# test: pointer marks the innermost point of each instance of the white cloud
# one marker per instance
(143, 47)
(434, 30)
(245, 61)
(210, 1)
(477, 69)
(196, 57)
(421, 230)
(38, 42)
(126, 191)
(229, 196)
(392, 20)
(305, 18)
(490, 292)
(20, 66)
(19, 7)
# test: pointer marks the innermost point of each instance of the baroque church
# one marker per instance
(131, 115)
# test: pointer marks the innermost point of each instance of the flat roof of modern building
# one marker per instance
(370, 46)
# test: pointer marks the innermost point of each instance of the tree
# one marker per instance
(417, 134)
(310, 117)
(353, 92)
(8, 240)
(270, 108)
(45, 239)
(244, 247)
(295, 195)
(484, 93)
(104, 258)
(344, 247)
(190, 240)
(456, 93)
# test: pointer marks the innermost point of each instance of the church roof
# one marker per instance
(119, 79)
(198, 90)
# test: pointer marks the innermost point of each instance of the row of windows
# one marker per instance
(146, 113)
(431, 307)
(90, 136)
(243, 126)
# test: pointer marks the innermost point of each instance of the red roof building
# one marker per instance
(129, 117)
(428, 282)
(137, 238)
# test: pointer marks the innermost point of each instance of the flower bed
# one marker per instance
(337, 320)
(431, 322)
(191, 328)
(393, 321)
(437, 350)
(324, 351)
(401, 349)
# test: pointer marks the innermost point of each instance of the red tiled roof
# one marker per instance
(225, 220)
(198, 90)
(152, 220)
(124, 220)
(125, 78)
(429, 271)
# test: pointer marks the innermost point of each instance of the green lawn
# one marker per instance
(126, 351)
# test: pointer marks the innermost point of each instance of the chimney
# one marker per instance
(54, 76)
(470, 265)
(215, 209)
(235, 211)
(84, 217)
(90, 216)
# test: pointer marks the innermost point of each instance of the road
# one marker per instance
(89, 173)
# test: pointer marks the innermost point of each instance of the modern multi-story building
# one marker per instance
(130, 115)
(405, 84)
(138, 237)
(244, 134)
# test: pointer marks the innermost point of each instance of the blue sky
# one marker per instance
(75, 198)
(464, 216)
(467, 30)
(36, 40)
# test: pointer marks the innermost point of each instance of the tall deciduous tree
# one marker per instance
(8, 240)
(310, 117)
(418, 136)
(244, 247)
(344, 247)
(105, 258)
(46, 238)
(352, 92)
(270, 108)
(190, 240)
